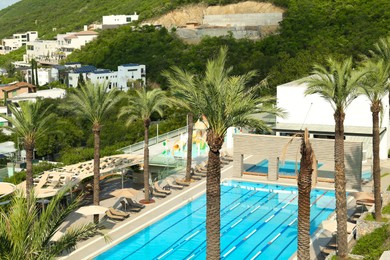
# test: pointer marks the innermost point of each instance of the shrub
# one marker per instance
(370, 245)
(386, 209)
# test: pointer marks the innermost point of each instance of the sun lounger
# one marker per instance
(118, 212)
(113, 217)
(174, 186)
(160, 190)
(226, 156)
(200, 169)
(134, 204)
(195, 177)
(158, 194)
(364, 198)
(325, 251)
(127, 207)
(183, 183)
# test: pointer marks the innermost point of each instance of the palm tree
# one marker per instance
(141, 106)
(190, 130)
(375, 86)
(31, 122)
(304, 189)
(26, 232)
(225, 101)
(94, 103)
(337, 84)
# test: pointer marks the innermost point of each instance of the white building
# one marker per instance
(45, 75)
(71, 41)
(54, 93)
(53, 51)
(18, 40)
(316, 114)
(113, 21)
(42, 50)
(122, 79)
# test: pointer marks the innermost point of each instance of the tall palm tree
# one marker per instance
(26, 232)
(337, 84)
(304, 189)
(225, 101)
(375, 86)
(31, 122)
(141, 106)
(190, 130)
(94, 102)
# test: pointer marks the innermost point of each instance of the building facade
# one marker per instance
(316, 114)
(18, 40)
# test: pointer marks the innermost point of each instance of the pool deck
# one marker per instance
(119, 231)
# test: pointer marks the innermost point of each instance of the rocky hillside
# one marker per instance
(195, 13)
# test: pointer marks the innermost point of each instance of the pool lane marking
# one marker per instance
(246, 196)
(194, 253)
(197, 251)
(281, 251)
(235, 206)
(191, 236)
(203, 205)
(256, 229)
(282, 231)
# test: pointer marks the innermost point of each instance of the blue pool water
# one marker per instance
(285, 168)
(367, 176)
(258, 221)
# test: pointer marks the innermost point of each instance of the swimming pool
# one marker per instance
(285, 168)
(258, 221)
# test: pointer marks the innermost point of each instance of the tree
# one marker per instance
(337, 84)
(225, 101)
(31, 122)
(375, 86)
(26, 232)
(81, 81)
(304, 189)
(141, 106)
(94, 102)
(190, 130)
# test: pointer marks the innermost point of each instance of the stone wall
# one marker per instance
(249, 19)
(271, 148)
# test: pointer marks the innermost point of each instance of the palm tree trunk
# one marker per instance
(304, 189)
(29, 174)
(96, 168)
(375, 109)
(189, 146)
(146, 160)
(213, 197)
(340, 185)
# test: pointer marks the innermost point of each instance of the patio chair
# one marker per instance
(134, 204)
(174, 186)
(128, 207)
(113, 217)
(182, 183)
(325, 251)
(158, 194)
(118, 212)
(226, 156)
(160, 190)
(200, 169)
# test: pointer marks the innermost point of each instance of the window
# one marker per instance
(30, 47)
(128, 19)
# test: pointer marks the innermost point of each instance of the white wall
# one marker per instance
(119, 19)
(313, 109)
(40, 50)
(130, 72)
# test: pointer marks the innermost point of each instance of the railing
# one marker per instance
(155, 140)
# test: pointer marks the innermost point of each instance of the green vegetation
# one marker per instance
(70, 15)
(372, 245)
(25, 229)
(371, 217)
(38, 168)
(386, 209)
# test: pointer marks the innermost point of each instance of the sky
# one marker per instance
(5, 3)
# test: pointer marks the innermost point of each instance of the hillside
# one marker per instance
(70, 15)
(311, 31)
(195, 13)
